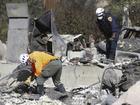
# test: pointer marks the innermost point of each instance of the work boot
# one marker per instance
(40, 90)
(60, 88)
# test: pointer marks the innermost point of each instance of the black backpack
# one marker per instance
(22, 72)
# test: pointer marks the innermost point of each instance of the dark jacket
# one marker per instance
(108, 25)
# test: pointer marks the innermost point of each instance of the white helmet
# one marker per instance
(23, 58)
(99, 13)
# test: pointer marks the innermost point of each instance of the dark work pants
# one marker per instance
(54, 70)
(111, 46)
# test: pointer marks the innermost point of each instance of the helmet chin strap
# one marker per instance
(100, 17)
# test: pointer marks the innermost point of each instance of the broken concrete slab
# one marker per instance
(131, 97)
(20, 33)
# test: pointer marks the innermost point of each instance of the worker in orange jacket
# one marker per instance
(44, 66)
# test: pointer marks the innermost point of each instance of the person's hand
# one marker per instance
(113, 36)
(28, 81)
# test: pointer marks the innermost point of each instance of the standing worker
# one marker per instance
(109, 27)
(44, 66)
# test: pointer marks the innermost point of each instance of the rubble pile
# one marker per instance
(87, 97)
(129, 44)
(18, 99)
(90, 95)
(8, 96)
